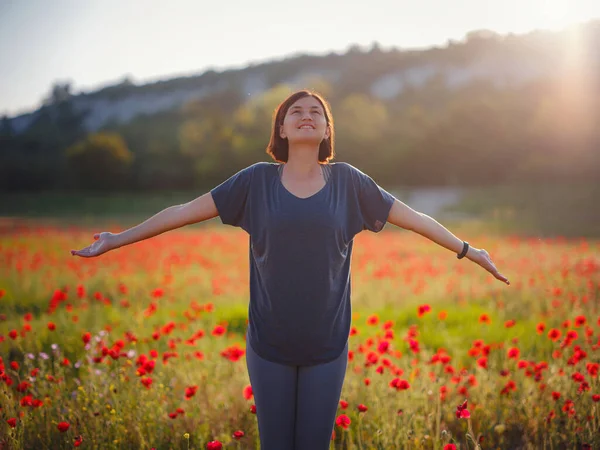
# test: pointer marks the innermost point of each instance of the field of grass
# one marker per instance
(537, 211)
(143, 347)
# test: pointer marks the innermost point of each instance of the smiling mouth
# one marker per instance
(306, 127)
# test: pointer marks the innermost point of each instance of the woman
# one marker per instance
(302, 213)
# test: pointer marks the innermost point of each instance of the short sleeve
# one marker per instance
(232, 198)
(374, 203)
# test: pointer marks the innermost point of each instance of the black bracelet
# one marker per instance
(464, 250)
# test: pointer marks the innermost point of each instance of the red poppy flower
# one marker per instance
(462, 411)
(554, 334)
(190, 391)
(373, 319)
(513, 352)
(484, 318)
(362, 408)
(423, 309)
(63, 426)
(12, 422)
(214, 445)
(343, 421)
(218, 330)
(248, 393)
(238, 434)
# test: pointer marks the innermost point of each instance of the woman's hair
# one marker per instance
(278, 147)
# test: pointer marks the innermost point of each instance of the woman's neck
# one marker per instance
(303, 162)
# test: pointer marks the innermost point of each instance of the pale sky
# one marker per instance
(94, 43)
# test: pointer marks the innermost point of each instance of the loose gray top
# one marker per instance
(300, 251)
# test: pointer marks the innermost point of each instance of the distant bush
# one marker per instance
(100, 161)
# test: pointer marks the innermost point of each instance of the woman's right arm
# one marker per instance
(177, 216)
(197, 210)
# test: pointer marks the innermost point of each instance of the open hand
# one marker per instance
(481, 257)
(105, 241)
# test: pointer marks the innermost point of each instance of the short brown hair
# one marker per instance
(278, 147)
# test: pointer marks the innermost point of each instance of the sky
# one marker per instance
(94, 43)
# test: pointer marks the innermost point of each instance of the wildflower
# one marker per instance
(362, 408)
(484, 318)
(373, 319)
(343, 421)
(63, 426)
(554, 334)
(513, 352)
(218, 330)
(423, 309)
(190, 391)
(238, 434)
(12, 422)
(214, 445)
(482, 362)
(462, 412)
(449, 447)
(248, 392)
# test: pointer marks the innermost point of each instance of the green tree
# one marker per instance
(359, 123)
(100, 161)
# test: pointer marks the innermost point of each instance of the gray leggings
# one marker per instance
(296, 405)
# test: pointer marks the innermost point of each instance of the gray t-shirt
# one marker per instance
(300, 251)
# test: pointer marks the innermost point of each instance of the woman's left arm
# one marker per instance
(404, 216)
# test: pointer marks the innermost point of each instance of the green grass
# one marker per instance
(535, 210)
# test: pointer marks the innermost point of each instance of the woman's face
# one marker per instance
(305, 122)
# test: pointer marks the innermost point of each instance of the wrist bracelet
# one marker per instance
(464, 250)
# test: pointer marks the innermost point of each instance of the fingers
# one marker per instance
(78, 252)
(85, 251)
(495, 272)
(501, 277)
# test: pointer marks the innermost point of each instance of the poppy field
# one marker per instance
(143, 347)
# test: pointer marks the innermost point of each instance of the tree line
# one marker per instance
(478, 134)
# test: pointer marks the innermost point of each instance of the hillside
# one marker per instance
(509, 60)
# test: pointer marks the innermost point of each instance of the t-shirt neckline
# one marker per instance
(280, 183)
